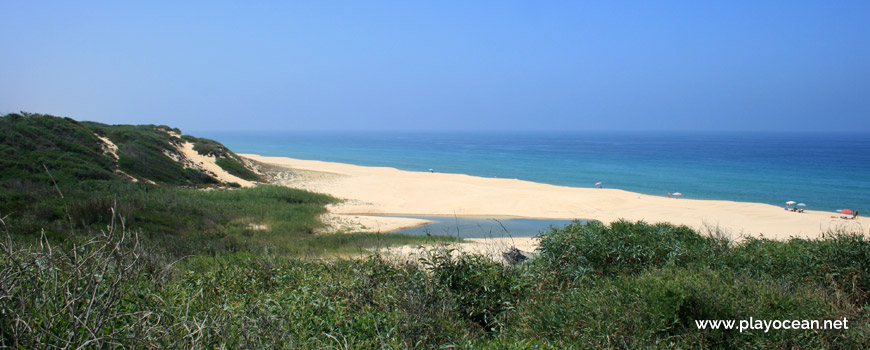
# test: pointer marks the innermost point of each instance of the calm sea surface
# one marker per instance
(825, 171)
(482, 227)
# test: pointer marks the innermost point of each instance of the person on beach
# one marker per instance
(669, 195)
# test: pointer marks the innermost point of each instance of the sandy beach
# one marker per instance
(385, 191)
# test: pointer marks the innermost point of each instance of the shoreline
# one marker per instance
(385, 191)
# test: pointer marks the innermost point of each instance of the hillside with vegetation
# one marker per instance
(59, 175)
(144, 251)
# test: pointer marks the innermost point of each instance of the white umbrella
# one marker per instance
(801, 205)
(790, 202)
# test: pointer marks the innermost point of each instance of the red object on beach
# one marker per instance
(845, 211)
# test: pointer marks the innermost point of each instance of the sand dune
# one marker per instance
(377, 190)
(209, 165)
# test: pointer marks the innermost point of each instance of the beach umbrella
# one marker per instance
(845, 211)
(801, 205)
(598, 183)
(790, 202)
(677, 194)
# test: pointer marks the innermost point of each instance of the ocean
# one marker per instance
(824, 171)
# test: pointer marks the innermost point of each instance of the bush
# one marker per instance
(58, 295)
(483, 288)
(210, 148)
(234, 167)
(113, 291)
(658, 309)
(622, 247)
(840, 260)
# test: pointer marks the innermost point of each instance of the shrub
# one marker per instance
(211, 148)
(619, 248)
(234, 167)
(840, 260)
(483, 288)
(56, 295)
(658, 309)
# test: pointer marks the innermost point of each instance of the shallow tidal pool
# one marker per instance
(482, 226)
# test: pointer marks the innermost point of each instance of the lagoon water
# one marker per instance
(483, 227)
(825, 171)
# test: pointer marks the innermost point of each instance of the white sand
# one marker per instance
(490, 247)
(377, 190)
(343, 223)
(207, 163)
(109, 147)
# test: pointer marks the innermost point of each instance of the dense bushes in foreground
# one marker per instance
(109, 291)
(623, 285)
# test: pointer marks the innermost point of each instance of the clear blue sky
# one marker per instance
(442, 65)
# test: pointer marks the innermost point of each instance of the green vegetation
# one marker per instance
(114, 263)
(244, 300)
(234, 167)
(211, 148)
(72, 152)
(28, 142)
(581, 250)
(173, 217)
(355, 244)
(640, 285)
(226, 159)
(187, 221)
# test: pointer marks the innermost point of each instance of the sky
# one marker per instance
(442, 65)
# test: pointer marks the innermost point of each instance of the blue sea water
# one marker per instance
(825, 171)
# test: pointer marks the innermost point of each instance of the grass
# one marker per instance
(632, 284)
(184, 221)
(238, 300)
(117, 292)
(636, 286)
(233, 166)
(581, 250)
